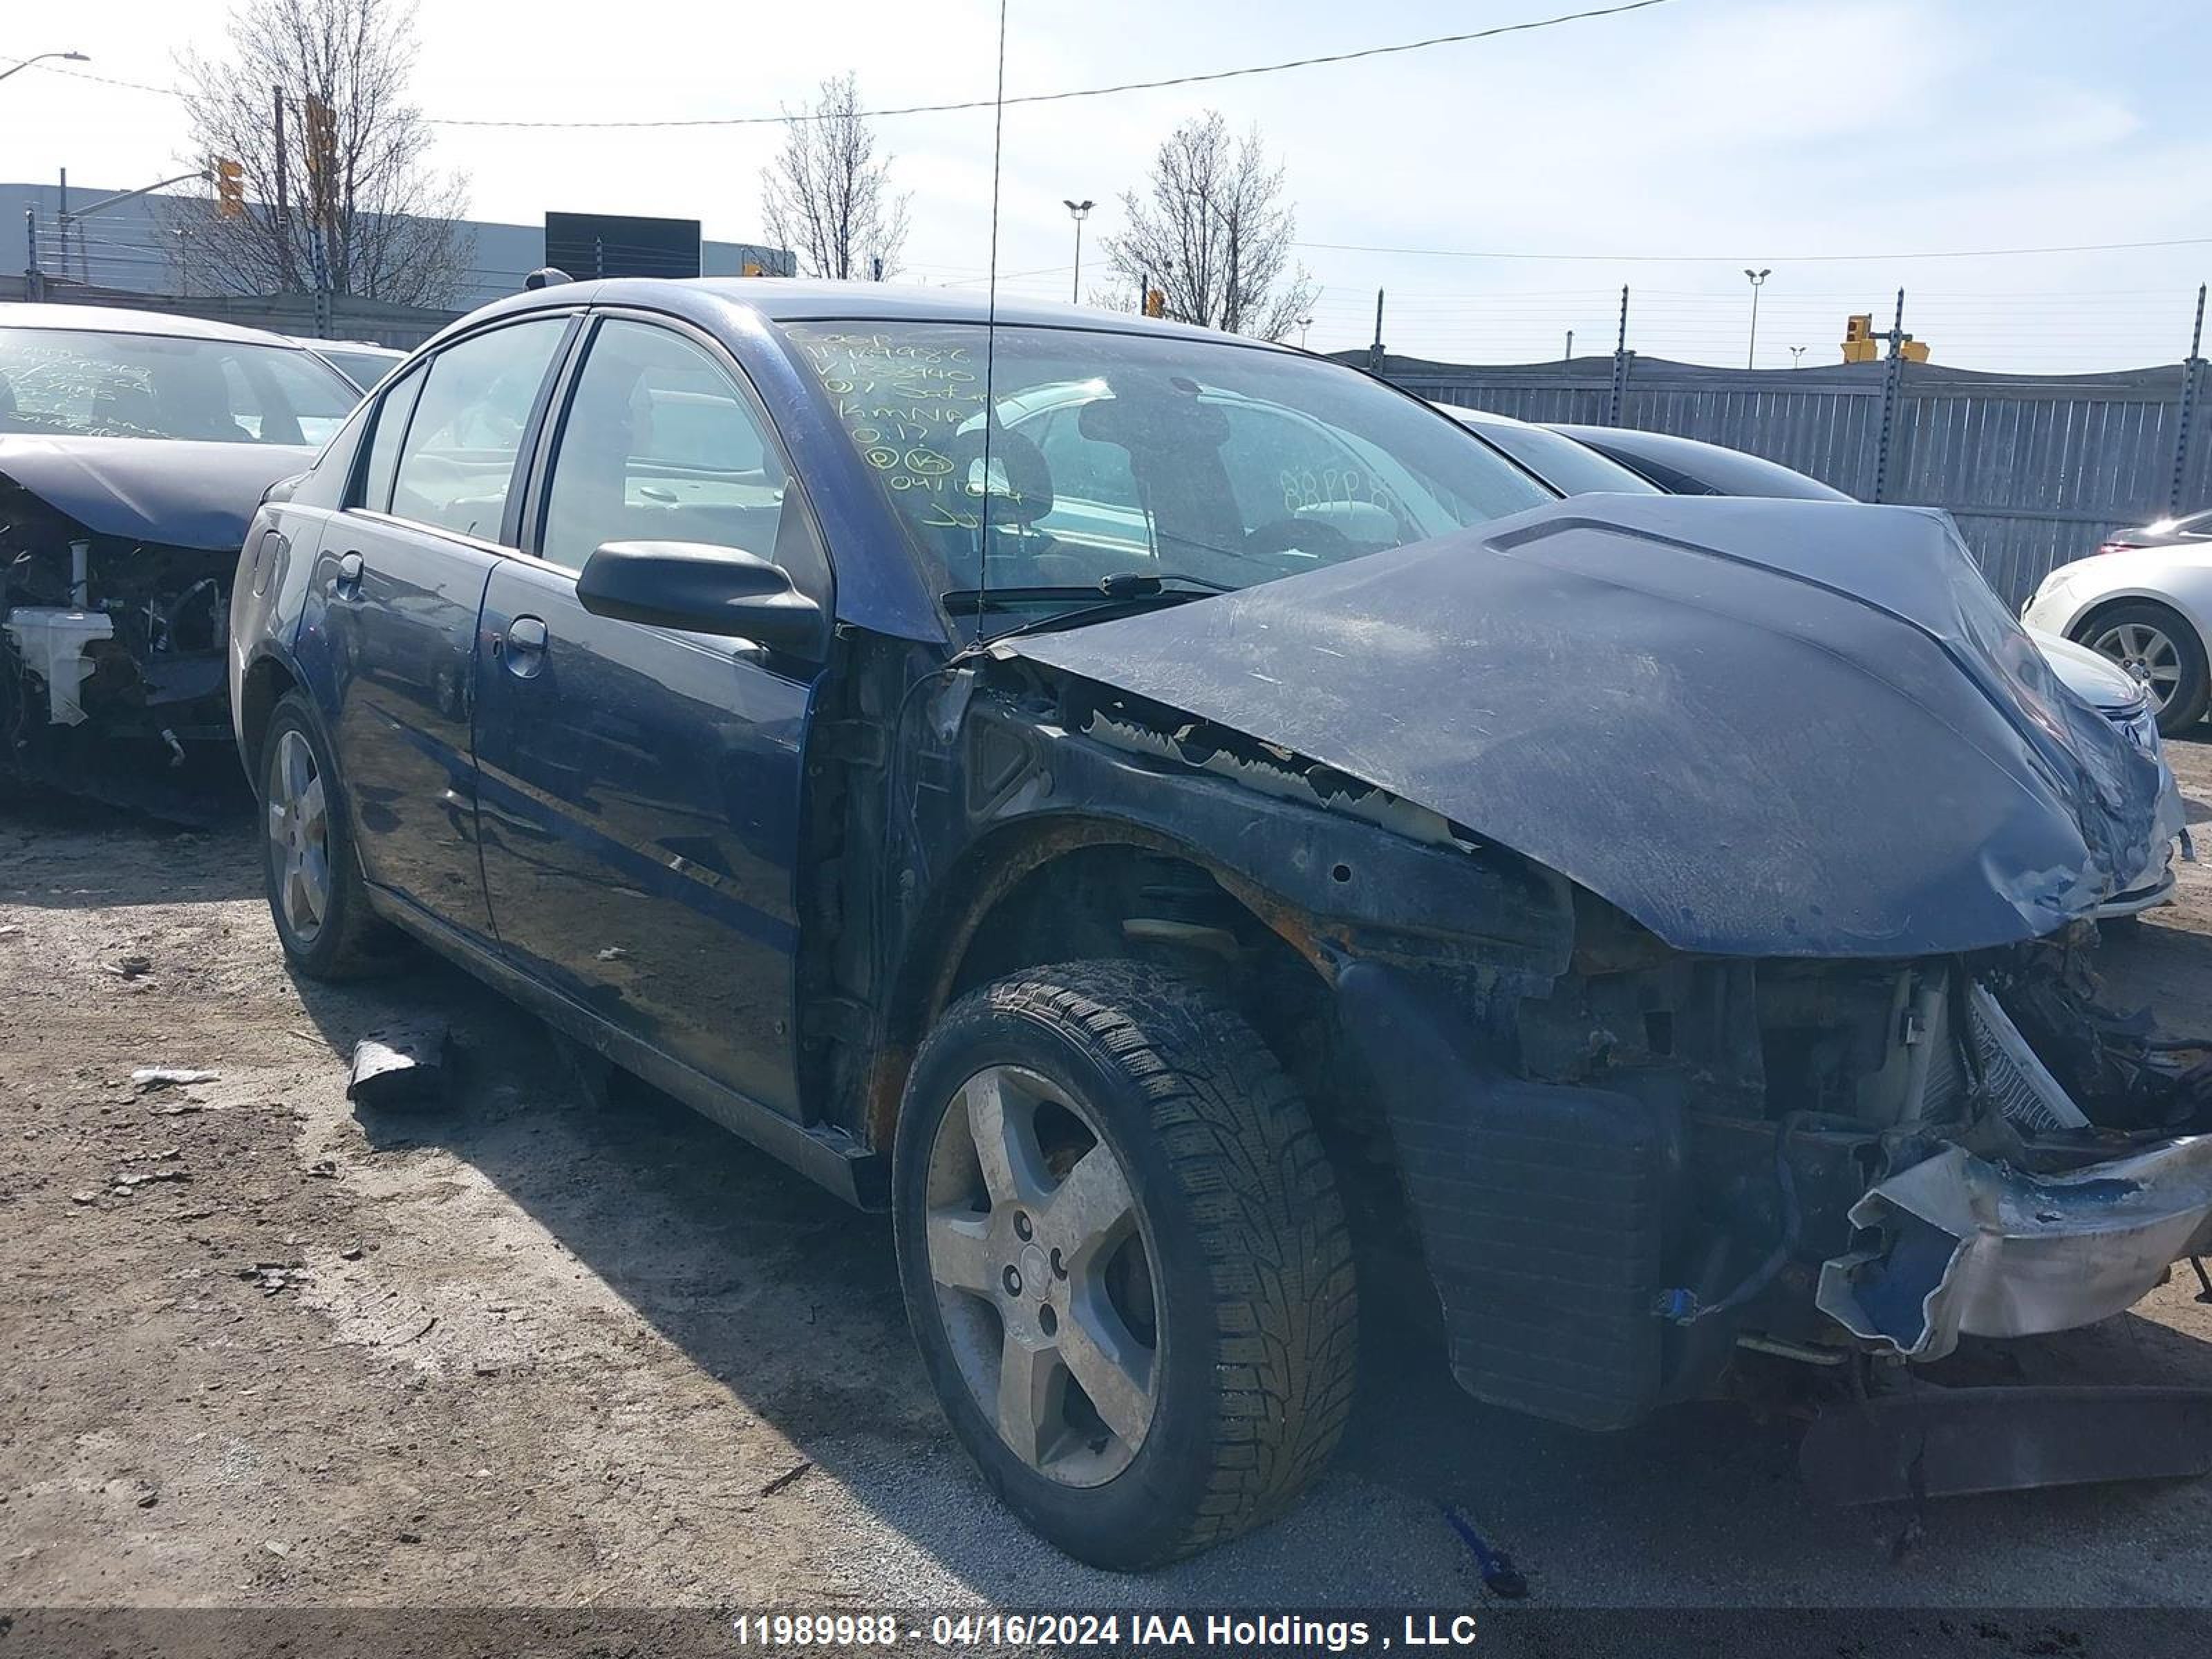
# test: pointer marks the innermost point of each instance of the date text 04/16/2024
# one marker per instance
(1241, 1632)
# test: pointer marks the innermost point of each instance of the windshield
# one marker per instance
(81, 383)
(1117, 456)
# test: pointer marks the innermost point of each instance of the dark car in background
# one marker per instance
(1689, 466)
(134, 447)
(1109, 792)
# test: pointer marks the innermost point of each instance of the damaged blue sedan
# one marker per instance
(1190, 828)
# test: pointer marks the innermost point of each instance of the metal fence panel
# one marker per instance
(2036, 469)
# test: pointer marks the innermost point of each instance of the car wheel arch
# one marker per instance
(266, 679)
(977, 925)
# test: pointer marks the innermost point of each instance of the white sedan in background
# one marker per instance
(2143, 599)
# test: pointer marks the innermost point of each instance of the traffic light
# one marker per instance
(1155, 302)
(229, 188)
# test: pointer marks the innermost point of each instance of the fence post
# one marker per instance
(2192, 375)
(1618, 394)
(1892, 388)
(34, 280)
(1375, 351)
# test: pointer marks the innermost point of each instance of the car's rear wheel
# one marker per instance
(1124, 1259)
(2162, 652)
(316, 895)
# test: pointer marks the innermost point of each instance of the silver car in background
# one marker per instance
(2145, 600)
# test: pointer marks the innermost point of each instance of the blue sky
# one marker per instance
(1731, 131)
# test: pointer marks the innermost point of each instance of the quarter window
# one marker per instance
(457, 461)
(659, 445)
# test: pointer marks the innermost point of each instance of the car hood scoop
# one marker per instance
(178, 493)
(1761, 728)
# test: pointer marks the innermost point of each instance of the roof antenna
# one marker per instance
(991, 332)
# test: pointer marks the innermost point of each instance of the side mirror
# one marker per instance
(706, 590)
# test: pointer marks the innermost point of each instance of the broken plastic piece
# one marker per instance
(163, 1076)
(400, 1067)
(1977, 1247)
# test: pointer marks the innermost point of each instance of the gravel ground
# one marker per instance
(265, 1352)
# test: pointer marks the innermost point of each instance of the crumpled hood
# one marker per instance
(1761, 728)
(152, 490)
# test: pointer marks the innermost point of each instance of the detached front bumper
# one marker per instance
(1971, 1248)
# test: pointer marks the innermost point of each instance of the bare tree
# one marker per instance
(1213, 233)
(828, 197)
(345, 199)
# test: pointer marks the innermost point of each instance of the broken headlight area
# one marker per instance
(1671, 1159)
(112, 655)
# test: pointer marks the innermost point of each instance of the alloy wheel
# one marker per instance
(2145, 653)
(1044, 1279)
(299, 844)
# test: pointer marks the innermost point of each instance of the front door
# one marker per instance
(398, 582)
(640, 787)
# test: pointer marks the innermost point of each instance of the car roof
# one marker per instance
(790, 300)
(121, 320)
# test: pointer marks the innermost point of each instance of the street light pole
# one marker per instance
(1796, 357)
(66, 56)
(1080, 211)
(1758, 281)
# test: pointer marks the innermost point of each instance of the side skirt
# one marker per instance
(830, 1157)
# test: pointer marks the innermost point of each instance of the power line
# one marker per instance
(1026, 98)
(1731, 259)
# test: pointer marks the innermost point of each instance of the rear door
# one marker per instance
(398, 584)
(641, 786)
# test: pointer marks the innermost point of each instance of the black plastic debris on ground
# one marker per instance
(401, 1067)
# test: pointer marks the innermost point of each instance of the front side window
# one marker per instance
(384, 442)
(659, 445)
(457, 461)
(83, 383)
(1116, 454)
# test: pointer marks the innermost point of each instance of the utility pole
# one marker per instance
(1568, 356)
(284, 195)
(1080, 211)
(1757, 282)
(1375, 351)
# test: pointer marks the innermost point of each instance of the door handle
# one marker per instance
(347, 586)
(523, 648)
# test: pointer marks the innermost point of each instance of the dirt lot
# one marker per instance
(262, 1351)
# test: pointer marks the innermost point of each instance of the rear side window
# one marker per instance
(457, 462)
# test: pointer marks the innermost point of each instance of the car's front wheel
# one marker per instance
(316, 894)
(1124, 1260)
(2160, 650)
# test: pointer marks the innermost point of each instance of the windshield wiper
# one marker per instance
(1126, 593)
(1119, 586)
